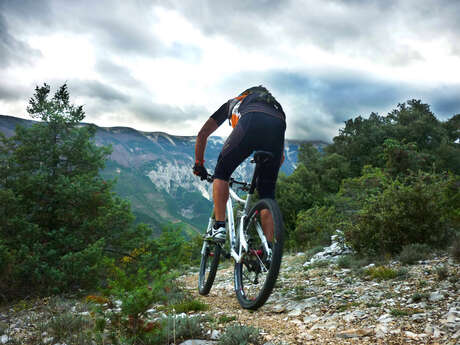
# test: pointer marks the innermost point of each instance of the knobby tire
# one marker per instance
(208, 267)
(251, 302)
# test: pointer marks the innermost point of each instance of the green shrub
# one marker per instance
(188, 305)
(404, 311)
(411, 210)
(417, 297)
(412, 253)
(352, 261)
(240, 335)
(172, 330)
(381, 273)
(62, 327)
(226, 319)
(129, 294)
(315, 226)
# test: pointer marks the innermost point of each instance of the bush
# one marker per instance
(407, 211)
(381, 273)
(352, 261)
(412, 253)
(131, 291)
(172, 330)
(240, 335)
(188, 305)
(314, 227)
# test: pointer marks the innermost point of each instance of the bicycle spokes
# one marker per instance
(256, 274)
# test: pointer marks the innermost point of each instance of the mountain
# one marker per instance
(154, 172)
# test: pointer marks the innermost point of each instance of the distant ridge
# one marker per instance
(153, 171)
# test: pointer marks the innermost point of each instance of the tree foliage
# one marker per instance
(371, 161)
(58, 217)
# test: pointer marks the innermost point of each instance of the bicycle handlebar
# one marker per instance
(232, 181)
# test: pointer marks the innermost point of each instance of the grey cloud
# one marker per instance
(358, 28)
(12, 50)
(116, 73)
(31, 11)
(114, 27)
(444, 101)
(13, 92)
(151, 112)
(317, 103)
(96, 90)
(240, 21)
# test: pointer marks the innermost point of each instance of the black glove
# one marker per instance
(200, 170)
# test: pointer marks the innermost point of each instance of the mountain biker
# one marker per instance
(259, 123)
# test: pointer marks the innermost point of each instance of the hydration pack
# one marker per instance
(253, 94)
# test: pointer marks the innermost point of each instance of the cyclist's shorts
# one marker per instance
(254, 131)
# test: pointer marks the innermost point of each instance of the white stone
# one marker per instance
(456, 335)
(310, 302)
(4, 339)
(306, 336)
(215, 334)
(310, 318)
(437, 333)
(436, 296)
(295, 312)
(385, 318)
(381, 330)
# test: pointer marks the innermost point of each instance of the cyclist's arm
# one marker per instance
(208, 128)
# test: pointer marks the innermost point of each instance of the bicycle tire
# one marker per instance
(243, 285)
(208, 266)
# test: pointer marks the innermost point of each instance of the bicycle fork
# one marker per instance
(208, 229)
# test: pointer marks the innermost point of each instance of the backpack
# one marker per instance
(253, 94)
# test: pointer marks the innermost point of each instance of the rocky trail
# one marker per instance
(316, 301)
(321, 303)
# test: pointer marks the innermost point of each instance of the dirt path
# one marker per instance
(222, 301)
(329, 305)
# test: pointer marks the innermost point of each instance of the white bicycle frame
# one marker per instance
(242, 246)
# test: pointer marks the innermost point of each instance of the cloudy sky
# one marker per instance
(167, 65)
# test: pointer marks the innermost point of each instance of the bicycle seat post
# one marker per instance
(260, 158)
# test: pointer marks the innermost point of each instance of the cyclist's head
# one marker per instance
(259, 88)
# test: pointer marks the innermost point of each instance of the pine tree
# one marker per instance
(58, 217)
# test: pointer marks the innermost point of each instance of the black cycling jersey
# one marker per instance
(254, 131)
(260, 126)
(247, 107)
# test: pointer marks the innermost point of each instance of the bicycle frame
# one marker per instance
(243, 244)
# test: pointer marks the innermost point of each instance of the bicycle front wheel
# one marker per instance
(255, 276)
(210, 254)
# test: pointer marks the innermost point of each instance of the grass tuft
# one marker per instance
(413, 253)
(241, 335)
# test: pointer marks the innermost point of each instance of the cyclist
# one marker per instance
(259, 123)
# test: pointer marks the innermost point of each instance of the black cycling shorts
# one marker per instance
(254, 131)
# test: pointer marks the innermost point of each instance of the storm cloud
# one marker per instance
(168, 65)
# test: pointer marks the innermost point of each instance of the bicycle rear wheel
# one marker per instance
(256, 275)
(210, 255)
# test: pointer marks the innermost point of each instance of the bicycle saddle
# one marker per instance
(262, 157)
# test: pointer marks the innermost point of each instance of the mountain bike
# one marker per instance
(255, 239)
